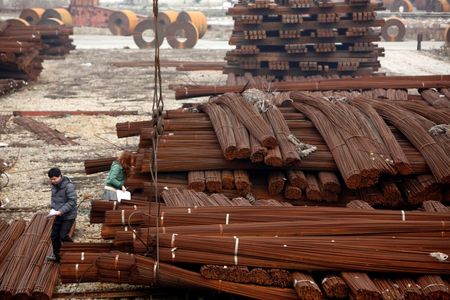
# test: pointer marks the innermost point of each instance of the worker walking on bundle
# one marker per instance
(64, 208)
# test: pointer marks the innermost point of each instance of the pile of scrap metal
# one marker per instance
(248, 181)
(293, 38)
(23, 47)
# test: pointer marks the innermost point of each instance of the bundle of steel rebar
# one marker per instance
(306, 287)
(50, 135)
(47, 279)
(411, 128)
(306, 253)
(335, 287)
(31, 275)
(23, 259)
(9, 235)
(361, 286)
(362, 83)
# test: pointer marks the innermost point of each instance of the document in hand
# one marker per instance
(51, 213)
(121, 195)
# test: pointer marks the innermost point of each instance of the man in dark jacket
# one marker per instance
(64, 207)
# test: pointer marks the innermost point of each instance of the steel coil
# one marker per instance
(182, 35)
(58, 13)
(406, 4)
(17, 22)
(437, 6)
(197, 18)
(165, 18)
(447, 35)
(123, 22)
(143, 39)
(32, 15)
(393, 30)
(51, 22)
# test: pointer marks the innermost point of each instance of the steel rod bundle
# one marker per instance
(31, 275)
(241, 136)
(269, 277)
(47, 279)
(196, 180)
(334, 287)
(9, 236)
(50, 135)
(364, 83)
(228, 180)
(289, 152)
(388, 288)
(292, 192)
(421, 188)
(306, 287)
(355, 134)
(409, 288)
(361, 286)
(433, 287)
(308, 253)
(223, 128)
(391, 194)
(250, 117)
(275, 182)
(23, 253)
(431, 151)
(313, 191)
(213, 181)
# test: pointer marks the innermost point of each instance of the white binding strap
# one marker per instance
(172, 242)
(403, 216)
(236, 248)
(123, 216)
(227, 219)
(82, 256)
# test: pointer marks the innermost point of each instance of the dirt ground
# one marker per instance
(85, 80)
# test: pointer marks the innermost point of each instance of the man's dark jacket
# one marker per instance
(64, 198)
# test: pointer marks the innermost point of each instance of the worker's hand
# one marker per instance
(58, 213)
(124, 189)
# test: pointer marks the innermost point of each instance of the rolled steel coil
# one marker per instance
(17, 22)
(181, 35)
(165, 18)
(142, 29)
(393, 30)
(195, 17)
(438, 6)
(388, 4)
(447, 35)
(58, 13)
(32, 15)
(406, 4)
(123, 22)
(51, 22)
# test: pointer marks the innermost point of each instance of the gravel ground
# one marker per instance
(85, 80)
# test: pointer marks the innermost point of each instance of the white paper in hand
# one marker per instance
(51, 213)
(121, 195)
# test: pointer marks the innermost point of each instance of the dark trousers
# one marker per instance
(60, 233)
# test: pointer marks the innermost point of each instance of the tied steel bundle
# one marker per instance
(389, 153)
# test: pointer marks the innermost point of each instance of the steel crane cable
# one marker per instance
(158, 128)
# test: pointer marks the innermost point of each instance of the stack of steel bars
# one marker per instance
(321, 34)
(24, 272)
(23, 48)
(342, 242)
(364, 146)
